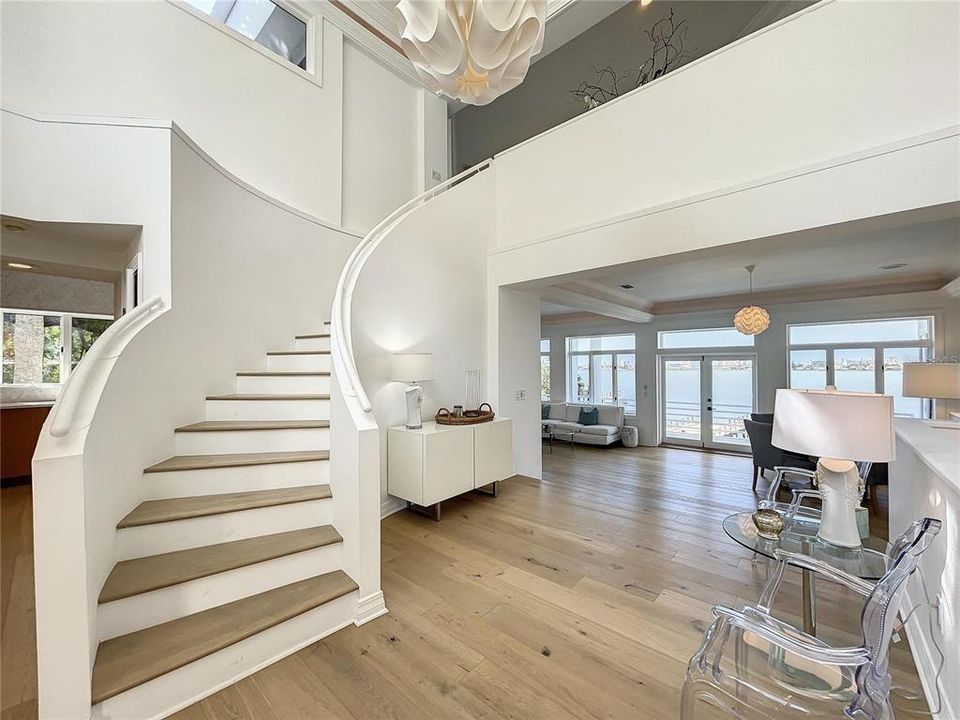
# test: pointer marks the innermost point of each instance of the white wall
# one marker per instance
(270, 126)
(381, 139)
(771, 347)
(750, 110)
(38, 291)
(346, 146)
(518, 352)
(423, 290)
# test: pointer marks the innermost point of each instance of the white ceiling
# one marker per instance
(821, 264)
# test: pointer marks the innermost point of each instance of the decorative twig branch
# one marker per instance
(668, 36)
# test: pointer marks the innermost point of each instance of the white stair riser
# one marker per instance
(311, 344)
(164, 537)
(251, 441)
(318, 363)
(290, 385)
(171, 692)
(152, 608)
(268, 409)
(213, 481)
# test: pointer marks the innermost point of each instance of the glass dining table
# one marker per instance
(800, 536)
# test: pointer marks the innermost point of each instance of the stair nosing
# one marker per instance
(243, 460)
(261, 398)
(283, 373)
(323, 492)
(189, 555)
(255, 426)
(299, 352)
(302, 605)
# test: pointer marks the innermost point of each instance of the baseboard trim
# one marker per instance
(391, 505)
(370, 607)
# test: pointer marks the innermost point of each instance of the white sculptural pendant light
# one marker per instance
(471, 50)
(752, 319)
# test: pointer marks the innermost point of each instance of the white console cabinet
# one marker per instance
(438, 462)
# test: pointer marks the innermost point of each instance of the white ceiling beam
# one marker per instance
(952, 288)
(589, 303)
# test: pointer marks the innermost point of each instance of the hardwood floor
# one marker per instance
(579, 596)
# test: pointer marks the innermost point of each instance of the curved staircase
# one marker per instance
(232, 560)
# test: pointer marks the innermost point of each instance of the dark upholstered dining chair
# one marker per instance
(762, 417)
(765, 455)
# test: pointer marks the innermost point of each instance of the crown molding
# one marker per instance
(812, 293)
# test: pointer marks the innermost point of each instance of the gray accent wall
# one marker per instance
(544, 99)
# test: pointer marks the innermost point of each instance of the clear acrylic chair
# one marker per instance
(752, 665)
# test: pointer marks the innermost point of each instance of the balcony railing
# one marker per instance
(683, 420)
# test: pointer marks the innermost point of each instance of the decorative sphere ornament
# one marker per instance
(751, 320)
(471, 50)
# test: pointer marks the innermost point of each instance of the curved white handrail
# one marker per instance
(77, 402)
(340, 321)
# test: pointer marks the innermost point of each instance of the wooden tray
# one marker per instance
(469, 417)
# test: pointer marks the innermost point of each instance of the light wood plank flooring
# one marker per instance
(579, 596)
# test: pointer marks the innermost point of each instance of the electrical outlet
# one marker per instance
(437, 175)
(520, 395)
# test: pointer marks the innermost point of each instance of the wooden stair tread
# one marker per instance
(312, 336)
(133, 577)
(221, 425)
(130, 660)
(158, 511)
(299, 352)
(235, 396)
(283, 373)
(223, 460)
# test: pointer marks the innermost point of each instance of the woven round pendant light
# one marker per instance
(752, 319)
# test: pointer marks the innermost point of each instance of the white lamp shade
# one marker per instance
(411, 367)
(839, 425)
(940, 380)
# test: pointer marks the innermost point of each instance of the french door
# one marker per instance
(704, 399)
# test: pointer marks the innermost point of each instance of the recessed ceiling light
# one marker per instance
(627, 286)
(893, 266)
(13, 225)
(19, 266)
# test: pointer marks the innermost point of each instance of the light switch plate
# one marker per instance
(520, 395)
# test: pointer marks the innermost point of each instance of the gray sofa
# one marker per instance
(565, 416)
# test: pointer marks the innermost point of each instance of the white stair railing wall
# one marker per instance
(151, 371)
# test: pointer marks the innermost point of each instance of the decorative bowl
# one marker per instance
(769, 523)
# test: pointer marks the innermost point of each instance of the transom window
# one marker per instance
(602, 369)
(865, 356)
(262, 21)
(43, 348)
(702, 338)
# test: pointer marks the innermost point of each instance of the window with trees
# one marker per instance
(44, 348)
(545, 369)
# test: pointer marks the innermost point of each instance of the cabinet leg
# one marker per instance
(430, 511)
(491, 489)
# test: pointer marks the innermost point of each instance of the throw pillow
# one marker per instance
(588, 417)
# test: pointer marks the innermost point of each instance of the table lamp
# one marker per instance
(412, 368)
(841, 428)
(935, 380)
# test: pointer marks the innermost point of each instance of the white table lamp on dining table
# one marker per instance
(412, 368)
(935, 380)
(841, 428)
